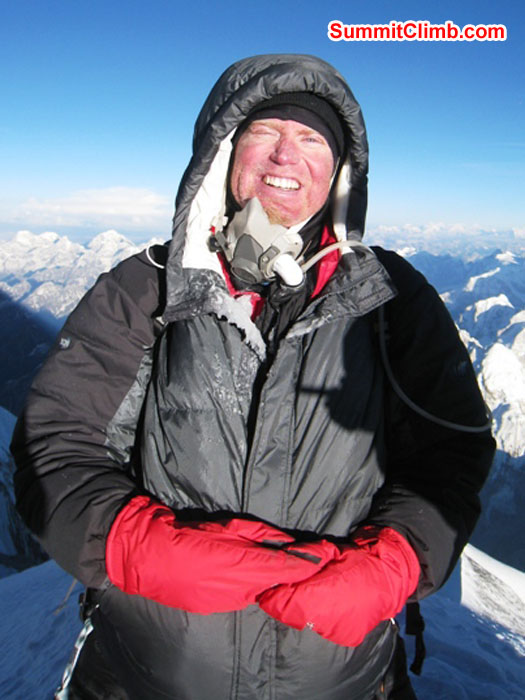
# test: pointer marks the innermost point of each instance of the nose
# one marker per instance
(285, 151)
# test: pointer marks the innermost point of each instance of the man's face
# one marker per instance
(288, 166)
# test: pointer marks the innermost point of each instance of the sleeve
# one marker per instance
(433, 472)
(73, 441)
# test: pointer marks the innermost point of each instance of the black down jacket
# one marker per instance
(150, 389)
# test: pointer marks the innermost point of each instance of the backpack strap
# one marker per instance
(414, 626)
(157, 255)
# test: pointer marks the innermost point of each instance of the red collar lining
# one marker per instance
(325, 269)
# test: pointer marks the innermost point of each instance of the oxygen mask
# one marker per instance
(258, 251)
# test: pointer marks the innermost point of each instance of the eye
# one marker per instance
(314, 137)
(318, 143)
(262, 130)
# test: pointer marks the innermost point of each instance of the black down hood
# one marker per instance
(195, 280)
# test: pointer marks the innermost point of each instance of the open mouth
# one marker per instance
(281, 183)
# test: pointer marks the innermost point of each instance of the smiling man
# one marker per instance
(286, 165)
(285, 155)
(222, 453)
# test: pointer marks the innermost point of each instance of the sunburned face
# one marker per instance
(288, 166)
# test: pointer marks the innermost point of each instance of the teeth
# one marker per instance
(283, 183)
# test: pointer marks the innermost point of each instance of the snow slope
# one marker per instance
(468, 657)
(486, 297)
(37, 638)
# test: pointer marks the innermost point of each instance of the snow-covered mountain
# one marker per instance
(486, 297)
(49, 273)
(42, 278)
(476, 649)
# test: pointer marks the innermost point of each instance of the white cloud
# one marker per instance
(454, 238)
(433, 229)
(112, 207)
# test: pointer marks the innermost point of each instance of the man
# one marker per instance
(255, 456)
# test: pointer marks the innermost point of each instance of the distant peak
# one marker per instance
(110, 237)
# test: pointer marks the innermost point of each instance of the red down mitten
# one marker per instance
(369, 581)
(204, 567)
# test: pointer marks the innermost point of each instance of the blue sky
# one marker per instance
(98, 101)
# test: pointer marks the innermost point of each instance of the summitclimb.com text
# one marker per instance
(415, 30)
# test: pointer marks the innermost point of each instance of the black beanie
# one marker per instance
(303, 107)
